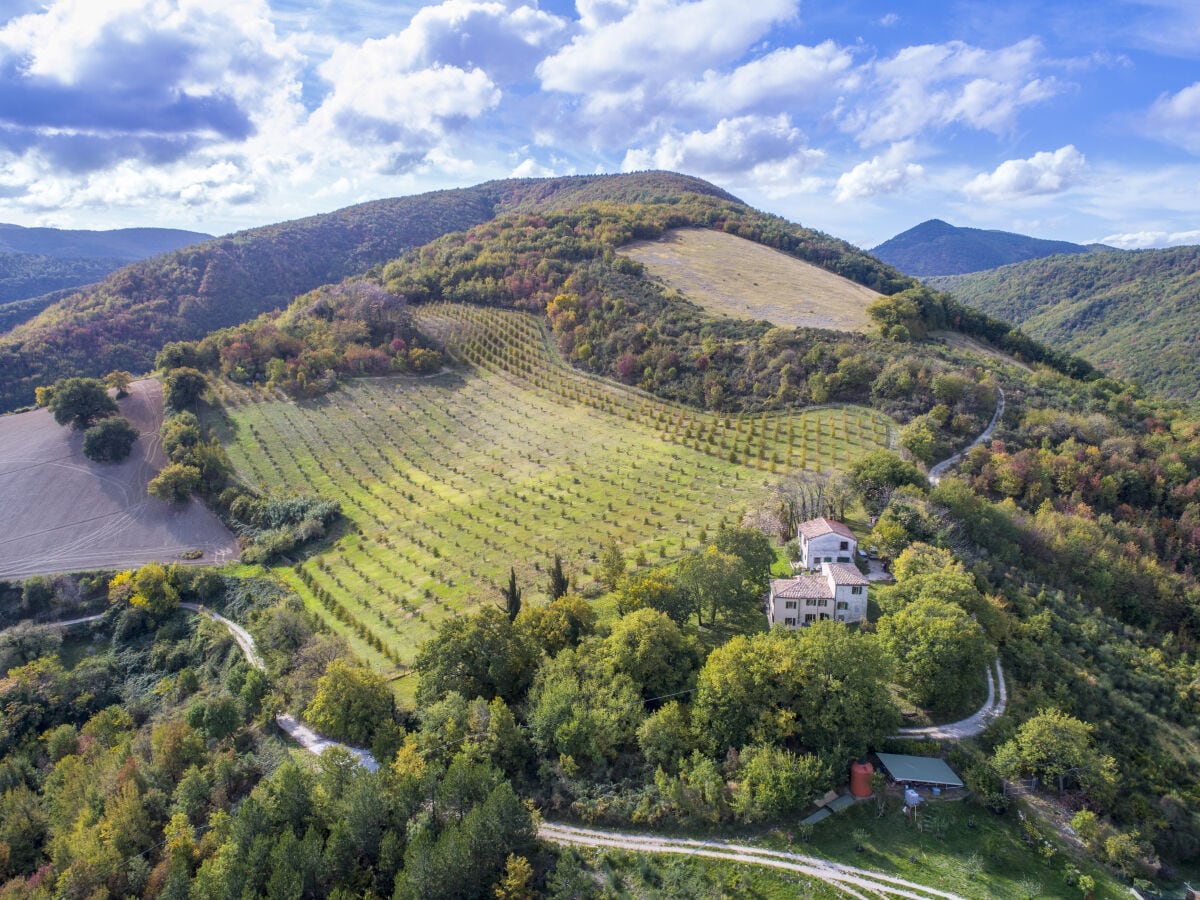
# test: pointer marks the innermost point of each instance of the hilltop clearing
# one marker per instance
(732, 276)
(1134, 314)
(450, 480)
(65, 513)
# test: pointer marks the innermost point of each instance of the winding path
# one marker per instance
(937, 470)
(849, 880)
(975, 724)
(293, 727)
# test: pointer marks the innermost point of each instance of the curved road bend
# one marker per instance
(937, 470)
(297, 730)
(972, 725)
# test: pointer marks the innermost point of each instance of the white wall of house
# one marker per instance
(849, 606)
(826, 548)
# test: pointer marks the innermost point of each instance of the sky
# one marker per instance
(1067, 120)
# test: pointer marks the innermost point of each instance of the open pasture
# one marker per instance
(449, 480)
(731, 276)
(61, 512)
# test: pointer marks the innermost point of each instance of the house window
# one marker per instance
(843, 559)
(856, 589)
(824, 616)
(789, 604)
(845, 545)
(842, 604)
(822, 602)
(810, 617)
(790, 621)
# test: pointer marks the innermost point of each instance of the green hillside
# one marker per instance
(939, 248)
(29, 277)
(1135, 314)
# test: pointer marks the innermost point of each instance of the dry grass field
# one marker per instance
(731, 276)
(61, 512)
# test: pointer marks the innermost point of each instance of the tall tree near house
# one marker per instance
(512, 595)
(559, 583)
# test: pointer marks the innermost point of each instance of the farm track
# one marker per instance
(451, 479)
(849, 880)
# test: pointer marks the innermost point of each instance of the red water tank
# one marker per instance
(860, 779)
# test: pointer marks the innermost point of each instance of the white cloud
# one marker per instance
(890, 19)
(1175, 118)
(86, 85)
(1042, 173)
(769, 152)
(936, 85)
(655, 40)
(887, 173)
(1138, 240)
(791, 75)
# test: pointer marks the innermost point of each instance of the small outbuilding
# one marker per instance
(923, 770)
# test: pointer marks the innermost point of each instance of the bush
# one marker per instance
(175, 483)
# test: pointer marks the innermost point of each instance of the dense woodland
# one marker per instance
(650, 694)
(1132, 313)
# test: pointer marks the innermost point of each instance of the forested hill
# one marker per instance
(123, 321)
(939, 248)
(1135, 314)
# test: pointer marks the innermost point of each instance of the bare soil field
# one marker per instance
(61, 512)
(732, 276)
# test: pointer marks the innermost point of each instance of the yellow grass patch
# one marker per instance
(731, 276)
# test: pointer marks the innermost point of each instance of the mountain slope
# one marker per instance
(1135, 314)
(35, 262)
(123, 321)
(939, 248)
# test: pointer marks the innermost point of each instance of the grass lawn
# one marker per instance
(447, 481)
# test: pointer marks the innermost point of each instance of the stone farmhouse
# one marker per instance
(823, 540)
(838, 590)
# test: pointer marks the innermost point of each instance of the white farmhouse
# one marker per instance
(838, 592)
(825, 541)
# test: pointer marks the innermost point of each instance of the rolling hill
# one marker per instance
(1135, 314)
(939, 248)
(124, 320)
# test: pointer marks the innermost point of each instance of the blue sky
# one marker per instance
(1078, 121)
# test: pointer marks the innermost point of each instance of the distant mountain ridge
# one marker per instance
(939, 248)
(1133, 313)
(36, 263)
(126, 244)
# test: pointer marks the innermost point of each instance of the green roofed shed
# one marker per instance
(918, 770)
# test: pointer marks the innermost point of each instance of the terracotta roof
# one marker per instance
(802, 587)
(817, 527)
(845, 573)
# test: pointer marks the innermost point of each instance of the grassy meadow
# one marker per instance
(731, 276)
(449, 480)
